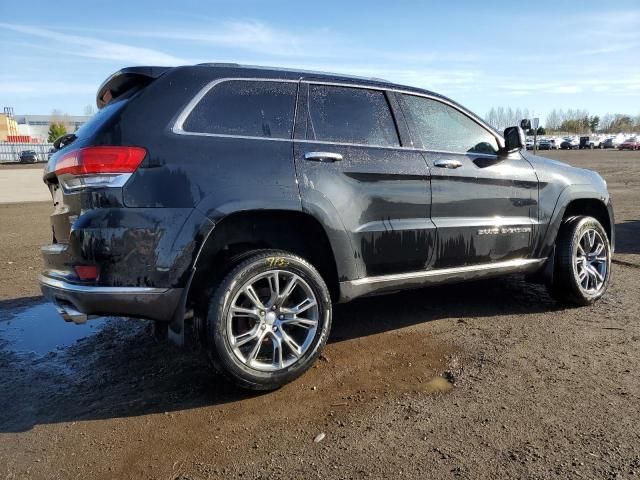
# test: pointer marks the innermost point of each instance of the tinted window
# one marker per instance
(99, 119)
(238, 107)
(350, 115)
(441, 127)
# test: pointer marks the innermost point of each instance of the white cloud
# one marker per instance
(251, 36)
(93, 48)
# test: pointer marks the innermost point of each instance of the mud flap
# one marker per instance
(544, 276)
(175, 330)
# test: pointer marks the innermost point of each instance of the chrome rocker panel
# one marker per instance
(401, 281)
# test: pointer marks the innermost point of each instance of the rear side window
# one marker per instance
(246, 108)
(441, 127)
(350, 115)
(101, 118)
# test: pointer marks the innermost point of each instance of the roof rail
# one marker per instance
(292, 70)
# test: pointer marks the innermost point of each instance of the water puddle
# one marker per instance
(37, 329)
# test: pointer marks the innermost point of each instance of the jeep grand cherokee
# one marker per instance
(253, 198)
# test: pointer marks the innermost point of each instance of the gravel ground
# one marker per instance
(504, 384)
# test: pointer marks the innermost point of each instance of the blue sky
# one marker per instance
(537, 55)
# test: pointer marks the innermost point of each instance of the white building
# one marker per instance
(37, 126)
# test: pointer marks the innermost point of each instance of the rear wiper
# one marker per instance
(64, 140)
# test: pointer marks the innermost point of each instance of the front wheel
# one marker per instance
(582, 263)
(268, 320)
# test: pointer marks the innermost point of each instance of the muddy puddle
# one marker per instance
(114, 368)
(36, 329)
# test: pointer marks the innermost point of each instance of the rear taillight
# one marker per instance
(100, 160)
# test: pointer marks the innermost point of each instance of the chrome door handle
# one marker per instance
(326, 157)
(448, 163)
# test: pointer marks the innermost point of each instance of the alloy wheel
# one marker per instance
(591, 261)
(272, 320)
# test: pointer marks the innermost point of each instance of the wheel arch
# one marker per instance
(578, 200)
(591, 207)
(241, 232)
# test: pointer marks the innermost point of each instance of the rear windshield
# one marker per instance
(101, 118)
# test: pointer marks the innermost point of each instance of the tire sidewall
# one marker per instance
(221, 303)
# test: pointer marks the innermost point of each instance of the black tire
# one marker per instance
(566, 286)
(218, 334)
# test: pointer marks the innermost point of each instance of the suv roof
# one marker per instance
(121, 79)
(302, 72)
(124, 79)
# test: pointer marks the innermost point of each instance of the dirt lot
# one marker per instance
(484, 380)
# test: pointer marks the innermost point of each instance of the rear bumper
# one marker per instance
(75, 301)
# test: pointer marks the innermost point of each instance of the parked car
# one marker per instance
(28, 156)
(608, 143)
(529, 144)
(590, 142)
(546, 144)
(254, 199)
(569, 143)
(632, 143)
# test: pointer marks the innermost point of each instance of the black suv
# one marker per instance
(251, 199)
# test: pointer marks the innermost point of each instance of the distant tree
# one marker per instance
(594, 122)
(541, 131)
(553, 120)
(622, 123)
(503, 117)
(56, 129)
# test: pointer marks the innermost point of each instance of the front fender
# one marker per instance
(570, 193)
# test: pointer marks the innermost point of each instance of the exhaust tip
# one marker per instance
(70, 314)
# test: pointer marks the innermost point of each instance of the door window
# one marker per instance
(441, 127)
(245, 108)
(350, 115)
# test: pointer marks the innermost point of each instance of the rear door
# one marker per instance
(484, 204)
(352, 168)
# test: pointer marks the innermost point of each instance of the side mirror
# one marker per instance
(525, 124)
(514, 139)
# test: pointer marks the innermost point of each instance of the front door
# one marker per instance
(484, 204)
(350, 162)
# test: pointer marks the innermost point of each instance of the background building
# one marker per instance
(8, 127)
(37, 126)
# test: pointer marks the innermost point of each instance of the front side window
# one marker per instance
(246, 108)
(441, 127)
(350, 115)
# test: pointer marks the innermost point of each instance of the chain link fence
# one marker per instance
(10, 152)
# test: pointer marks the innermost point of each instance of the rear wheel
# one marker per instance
(268, 320)
(582, 263)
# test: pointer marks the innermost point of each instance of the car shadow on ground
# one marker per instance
(124, 371)
(628, 237)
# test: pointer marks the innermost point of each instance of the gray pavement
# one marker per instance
(21, 185)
